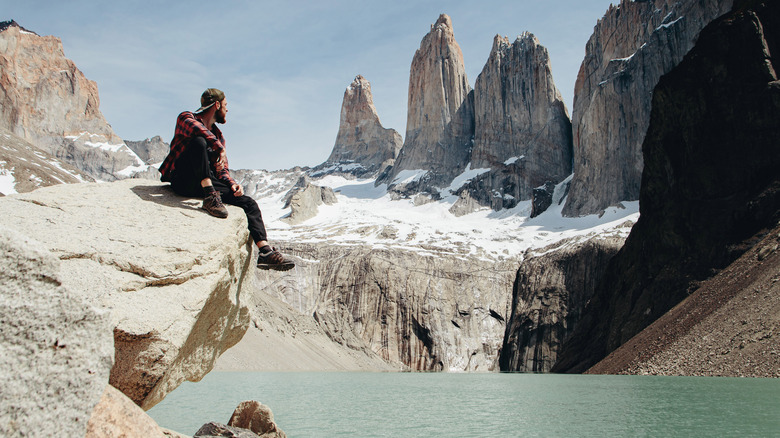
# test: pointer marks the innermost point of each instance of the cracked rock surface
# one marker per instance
(169, 274)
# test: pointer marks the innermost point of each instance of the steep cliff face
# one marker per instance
(46, 100)
(632, 46)
(710, 180)
(363, 147)
(171, 294)
(522, 128)
(440, 118)
(428, 311)
(548, 298)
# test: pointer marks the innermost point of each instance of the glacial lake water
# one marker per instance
(343, 404)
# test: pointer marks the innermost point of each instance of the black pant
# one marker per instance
(193, 166)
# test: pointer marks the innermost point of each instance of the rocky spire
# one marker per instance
(361, 139)
(632, 46)
(521, 122)
(440, 118)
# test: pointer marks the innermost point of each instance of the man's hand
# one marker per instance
(237, 190)
(221, 161)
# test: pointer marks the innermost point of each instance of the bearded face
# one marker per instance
(220, 116)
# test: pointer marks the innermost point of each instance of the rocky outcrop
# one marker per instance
(24, 167)
(426, 309)
(46, 100)
(171, 289)
(303, 200)
(363, 147)
(710, 180)
(440, 118)
(522, 128)
(256, 417)
(550, 291)
(116, 416)
(56, 349)
(632, 46)
(152, 150)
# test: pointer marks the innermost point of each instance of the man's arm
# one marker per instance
(190, 126)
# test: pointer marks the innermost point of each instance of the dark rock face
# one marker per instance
(711, 180)
(522, 127)
(548, 298)
(440, 118)
(632, 46)
(542, 198)
(363, 147)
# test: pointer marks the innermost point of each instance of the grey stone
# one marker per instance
(56, 349)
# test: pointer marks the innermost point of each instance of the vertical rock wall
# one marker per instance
(632, 46)
(548, 299)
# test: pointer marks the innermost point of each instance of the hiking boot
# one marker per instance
(273, 259)
(213, 205)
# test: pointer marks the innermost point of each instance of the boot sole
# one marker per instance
(281, 267)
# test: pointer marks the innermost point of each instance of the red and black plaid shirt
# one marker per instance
(188, 126)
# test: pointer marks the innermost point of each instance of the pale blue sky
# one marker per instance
(283, 65)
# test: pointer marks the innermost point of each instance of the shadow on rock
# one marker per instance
(164, 195)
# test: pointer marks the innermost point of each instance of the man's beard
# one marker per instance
(219, 118)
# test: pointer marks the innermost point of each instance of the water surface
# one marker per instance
(322, 404)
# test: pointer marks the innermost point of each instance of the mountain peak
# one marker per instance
(444, 22)
(12, 23)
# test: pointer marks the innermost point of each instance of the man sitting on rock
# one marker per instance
(197, 166)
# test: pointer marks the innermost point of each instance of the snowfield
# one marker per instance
(366, 215)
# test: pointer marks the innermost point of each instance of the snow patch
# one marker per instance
(513, 160)
(100, 145)
(7, 180)
(408, 176)
(130, 170)
(667, 25)
(465, 177)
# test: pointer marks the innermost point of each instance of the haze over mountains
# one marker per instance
(498, 234)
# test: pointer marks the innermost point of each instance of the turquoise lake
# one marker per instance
(331, 404)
